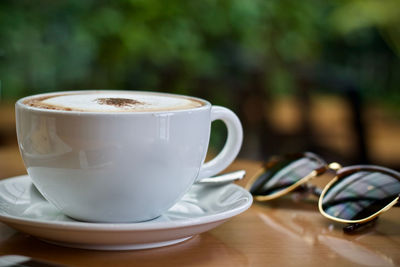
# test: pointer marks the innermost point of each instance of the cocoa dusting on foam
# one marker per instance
(118, 102)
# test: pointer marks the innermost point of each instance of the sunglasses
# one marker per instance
(357, 195)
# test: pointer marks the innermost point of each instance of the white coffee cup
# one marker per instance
(126, 164)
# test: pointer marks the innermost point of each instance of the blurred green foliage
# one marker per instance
(206, 48)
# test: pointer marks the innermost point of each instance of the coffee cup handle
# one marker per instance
(231, 147)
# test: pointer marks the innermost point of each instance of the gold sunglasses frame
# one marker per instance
(340, 173)
(315, 173)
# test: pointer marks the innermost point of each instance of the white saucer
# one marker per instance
(201, 209)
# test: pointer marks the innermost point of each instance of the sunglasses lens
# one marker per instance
(360, 194)
(283, 174)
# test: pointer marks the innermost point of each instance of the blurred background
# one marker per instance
(311, 75)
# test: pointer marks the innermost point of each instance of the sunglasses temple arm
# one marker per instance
(316, 191)
(312, 189)
(350, 228)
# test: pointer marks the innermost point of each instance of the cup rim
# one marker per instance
(20, 103)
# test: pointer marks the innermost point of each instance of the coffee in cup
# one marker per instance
(119, 156)
(117, 101)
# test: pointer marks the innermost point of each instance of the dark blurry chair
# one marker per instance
(254, 102)
(328, 80)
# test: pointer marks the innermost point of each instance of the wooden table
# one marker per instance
(279, 233)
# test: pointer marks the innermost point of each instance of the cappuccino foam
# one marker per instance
(113, 101)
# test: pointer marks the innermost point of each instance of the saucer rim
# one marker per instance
(141, 226)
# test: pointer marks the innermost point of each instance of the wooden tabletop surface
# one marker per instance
(282, 232)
